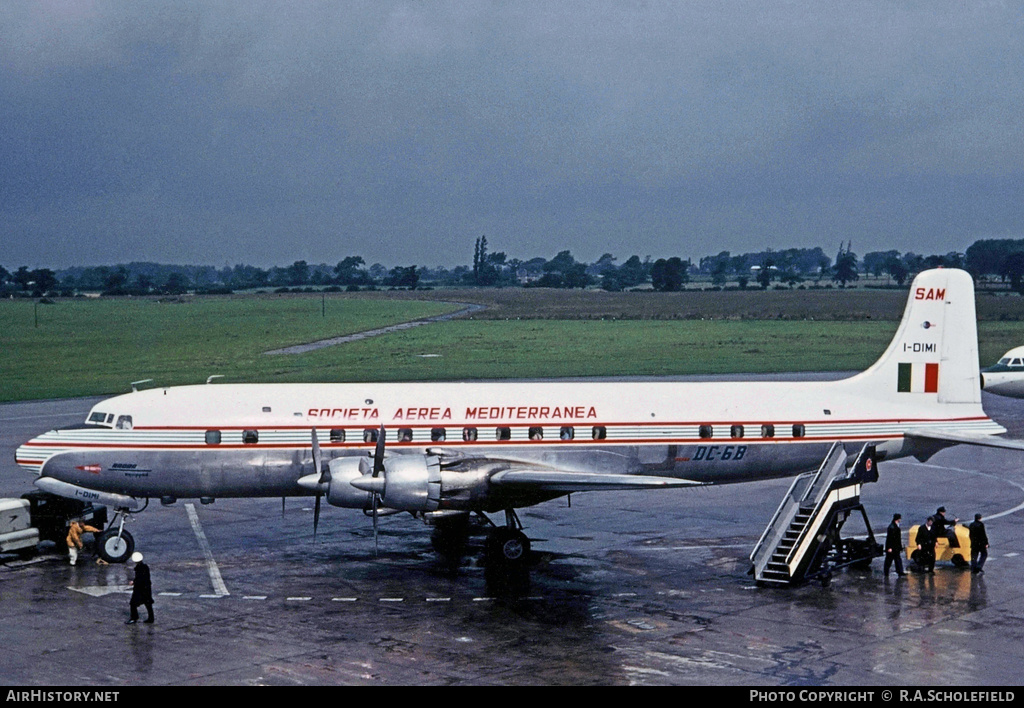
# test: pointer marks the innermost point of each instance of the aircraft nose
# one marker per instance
(30, 457)
(33, 454)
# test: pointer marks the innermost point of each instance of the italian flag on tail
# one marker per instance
(918, 378)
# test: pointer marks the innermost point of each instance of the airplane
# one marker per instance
(443, 451)
(1006, 377)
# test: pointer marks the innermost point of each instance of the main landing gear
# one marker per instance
(506, 548)
(507, 559)
(507, 545)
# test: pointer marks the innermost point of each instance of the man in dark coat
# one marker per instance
(925, 541)
(979, 544)
(944, 528)
(894, 547)
(142, 591)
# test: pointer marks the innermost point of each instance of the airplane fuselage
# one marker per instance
(223, 440)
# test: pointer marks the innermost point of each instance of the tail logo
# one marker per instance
(930, 294)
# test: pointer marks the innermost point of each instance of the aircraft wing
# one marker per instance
(950, 438)
(557, 481)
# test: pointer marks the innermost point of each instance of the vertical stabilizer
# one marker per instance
(934, 354)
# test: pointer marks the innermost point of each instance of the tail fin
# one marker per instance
(935, 350)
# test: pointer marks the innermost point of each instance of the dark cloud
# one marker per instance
(400, 131)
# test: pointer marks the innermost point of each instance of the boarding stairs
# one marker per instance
(802, 541)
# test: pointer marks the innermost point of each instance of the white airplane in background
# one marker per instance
(445, 450)
(1006, 377)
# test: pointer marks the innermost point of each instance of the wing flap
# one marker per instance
(556, 481)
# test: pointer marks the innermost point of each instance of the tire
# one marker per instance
(959, 562)
(113, 549)
(508, 546)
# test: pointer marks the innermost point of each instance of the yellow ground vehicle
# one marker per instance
(959, 556)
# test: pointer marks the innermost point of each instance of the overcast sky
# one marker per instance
(267, 132)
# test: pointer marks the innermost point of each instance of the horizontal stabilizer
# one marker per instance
(950, 438)
(555, 481)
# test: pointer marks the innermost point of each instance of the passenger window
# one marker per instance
(405, 435)
(250, 437)
(599, 432)
(503, 433)
(437, 434)
(536, 433)
(736, 431)
(124, 422)
(469, 434)
(566, 433)
(370, 435)
(266, 409)
(213, 437)
(705, 431)
(767, 430)
(337, 435)
(798, 430)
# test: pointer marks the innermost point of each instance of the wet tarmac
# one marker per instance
(624, 588)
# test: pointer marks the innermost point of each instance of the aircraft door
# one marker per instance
(657, 457)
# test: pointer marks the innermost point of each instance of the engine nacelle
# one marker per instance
(407, 483)
(412, 482)
(340, 492)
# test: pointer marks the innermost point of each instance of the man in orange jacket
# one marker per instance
(74, 539)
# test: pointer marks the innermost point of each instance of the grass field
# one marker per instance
(85, 347)
(94, 347)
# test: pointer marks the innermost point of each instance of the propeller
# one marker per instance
(375, 482)
(322, 483)
(378, 472)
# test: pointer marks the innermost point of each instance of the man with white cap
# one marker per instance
(142, 590)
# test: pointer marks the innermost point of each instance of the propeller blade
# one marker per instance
(317, 457)
(378, 453)
(318, 468)
(375, 548)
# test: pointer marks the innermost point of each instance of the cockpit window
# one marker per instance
(1015, 362)
(98, 418)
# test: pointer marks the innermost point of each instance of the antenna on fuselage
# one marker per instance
(209, 379)
(136, 384)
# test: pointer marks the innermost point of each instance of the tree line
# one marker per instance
(992, 260)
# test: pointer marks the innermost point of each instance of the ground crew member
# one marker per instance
(74, 539)
(944, 528)
(925, 541)
(979, 544)
(142, 591)
(894, 547)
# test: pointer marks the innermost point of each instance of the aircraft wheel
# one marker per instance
(113, 549)
(959, 562)
(508, 546)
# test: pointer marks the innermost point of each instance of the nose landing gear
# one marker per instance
(115, 545)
